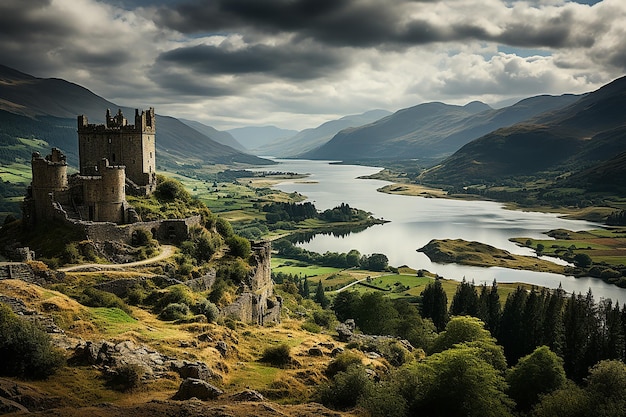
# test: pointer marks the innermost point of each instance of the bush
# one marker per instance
(277, 355)
(174, 311)
(223, 227)
(311, 327)
(346, 388)
(169, 190)
(342, 362)
(239, 246)
(126, 377)
(209, 309)
(93, 297)
(26, 349)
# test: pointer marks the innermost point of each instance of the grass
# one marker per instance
(602, 245)
(289, 266)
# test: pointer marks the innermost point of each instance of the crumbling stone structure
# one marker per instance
(114, 157)
(257, 303)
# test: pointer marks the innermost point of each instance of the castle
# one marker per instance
(114, 157)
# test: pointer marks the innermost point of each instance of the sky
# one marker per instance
(298, 63)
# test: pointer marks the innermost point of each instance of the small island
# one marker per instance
(480, 254)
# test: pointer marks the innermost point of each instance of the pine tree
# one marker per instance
(435, 305)
(465, 300)
(320, 296)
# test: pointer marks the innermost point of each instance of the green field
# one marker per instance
(293, 267)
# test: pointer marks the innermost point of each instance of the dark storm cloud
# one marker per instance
(289, 61)
(22, 21)
(357, 23)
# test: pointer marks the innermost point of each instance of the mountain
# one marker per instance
(431, 130)
(255, 137)
(40, 101)
(224, 138)
(587, 133)
(309, 139)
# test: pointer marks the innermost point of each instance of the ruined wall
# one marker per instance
(49, 176)
(257, 304)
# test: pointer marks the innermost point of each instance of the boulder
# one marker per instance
(196, 388)
(248, 395)
(196, 370)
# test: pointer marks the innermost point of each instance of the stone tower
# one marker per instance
(132, 146)
(49, 182)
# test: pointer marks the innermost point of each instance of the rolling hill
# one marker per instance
(430, 131)
(40, 102)
(587, 134)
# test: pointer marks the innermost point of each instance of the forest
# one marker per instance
(540, 353)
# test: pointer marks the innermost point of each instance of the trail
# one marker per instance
(166, 252)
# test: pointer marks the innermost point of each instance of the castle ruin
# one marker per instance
(114, 157)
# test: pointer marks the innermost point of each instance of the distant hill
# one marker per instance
(309, 139)
(587, 134)
(430, 131)
(255, 137)
(43, 101)
(219, 136)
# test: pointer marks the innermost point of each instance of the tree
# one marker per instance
(582, 260)
(606, 387)
(320, 296)
(346, 305)
(456, 382)
(435, 304)
(239, 246)
(353, 258)
(510, 335)
(460, 329)
(170, 189)
(465, 300)
(536, 374)
(376, 314)
(377, 262)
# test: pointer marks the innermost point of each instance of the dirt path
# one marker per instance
(166, 252)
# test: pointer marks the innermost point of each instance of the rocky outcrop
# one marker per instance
(196, 388)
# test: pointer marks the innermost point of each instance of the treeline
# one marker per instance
(617, 218)
(577, 328)
(352, 259)
(296, 212)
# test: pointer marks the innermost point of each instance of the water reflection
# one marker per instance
(414, 221)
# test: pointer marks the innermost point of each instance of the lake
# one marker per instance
(414, 221)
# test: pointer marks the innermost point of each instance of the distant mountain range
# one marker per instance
(586, 138)
(309, 139)
(47, 109)
(582, 135)
(430, 131)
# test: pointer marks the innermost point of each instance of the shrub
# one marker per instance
(174, 311)
(223, 227)
(346, 388)
(26, 349)
(277, 355)
(142, 237)
(93, 297)
(169, 190)
(239, 246)
(125, 377)
(342, 362)
(209, 309)
(312, 327)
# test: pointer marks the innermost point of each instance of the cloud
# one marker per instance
(299, 62)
